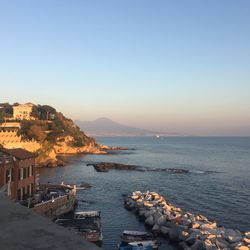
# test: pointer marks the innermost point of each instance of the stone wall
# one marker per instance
(9, 136)
(10, 139)
(58, 206)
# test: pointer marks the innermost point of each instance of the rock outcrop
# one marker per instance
(106, 166)
(50, 157)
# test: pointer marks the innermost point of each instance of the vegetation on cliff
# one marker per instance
(52, 126)
(5, 111)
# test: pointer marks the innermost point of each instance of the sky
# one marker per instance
(175, 66)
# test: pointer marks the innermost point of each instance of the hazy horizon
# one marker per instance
(167, 66)
(216, 132)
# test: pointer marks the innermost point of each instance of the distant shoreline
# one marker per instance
(173, 136)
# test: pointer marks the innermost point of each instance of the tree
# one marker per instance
(43, 112)
(35, 131)
(6, 111)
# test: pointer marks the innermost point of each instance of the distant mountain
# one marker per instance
(107, 127)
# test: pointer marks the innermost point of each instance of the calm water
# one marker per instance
(222, 195)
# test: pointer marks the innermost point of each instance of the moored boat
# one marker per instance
(87, 214)
(136, 240)
(86, 223)
(89, 225)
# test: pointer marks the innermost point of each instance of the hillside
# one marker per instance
(107, 127)
(45, 131)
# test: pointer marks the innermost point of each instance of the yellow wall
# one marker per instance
(22, 112)
(10, 139)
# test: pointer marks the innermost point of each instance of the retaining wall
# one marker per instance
(57, 206)
(10, 139)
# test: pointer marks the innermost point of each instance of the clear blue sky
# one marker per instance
(179, 66)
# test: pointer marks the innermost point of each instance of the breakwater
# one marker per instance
(188, 231)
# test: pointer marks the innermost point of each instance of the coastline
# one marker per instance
(58, 161)
(191, 197)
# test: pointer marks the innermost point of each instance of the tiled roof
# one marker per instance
(19, 153)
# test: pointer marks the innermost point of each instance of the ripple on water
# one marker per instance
(222, 195)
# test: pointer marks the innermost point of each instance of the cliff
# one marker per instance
(48, 133)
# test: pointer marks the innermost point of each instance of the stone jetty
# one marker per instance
(188, 231)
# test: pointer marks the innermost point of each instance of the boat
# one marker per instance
(91, 235)
(87, 214)
(137, 240)
(89, 225)
(86, 223)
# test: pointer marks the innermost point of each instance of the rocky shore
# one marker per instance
(106, 166)
(52, 163)
(53, 159)
(188, 231)
(113, 148)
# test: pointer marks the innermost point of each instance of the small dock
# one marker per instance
(54, 200)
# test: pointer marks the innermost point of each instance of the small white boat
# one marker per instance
(135, 233)
(86, 214)
(81, 188)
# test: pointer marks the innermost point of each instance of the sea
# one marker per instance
(217, 184)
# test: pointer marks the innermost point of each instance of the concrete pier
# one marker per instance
(22, 229)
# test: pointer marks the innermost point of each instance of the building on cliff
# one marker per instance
(17, 173)
(23, 111)
(19, 181)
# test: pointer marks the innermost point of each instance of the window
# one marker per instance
(31, 170)
(8, 175)
(23, 192)
(21, 173)
(19, 194)
(30, 189)
(24, 173)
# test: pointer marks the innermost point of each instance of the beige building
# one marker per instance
(23, 111)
